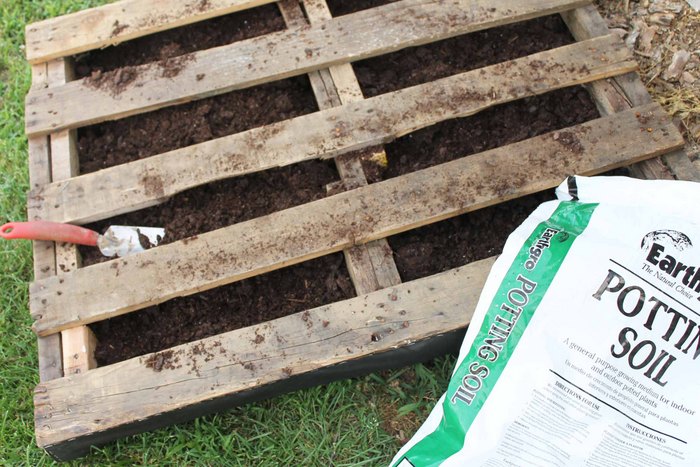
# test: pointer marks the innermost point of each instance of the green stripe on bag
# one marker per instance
(519, 295)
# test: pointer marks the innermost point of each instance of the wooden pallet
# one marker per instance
(78, 405)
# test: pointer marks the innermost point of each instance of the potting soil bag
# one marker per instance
(583, 349)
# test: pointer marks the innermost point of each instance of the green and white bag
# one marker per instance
(584, 346)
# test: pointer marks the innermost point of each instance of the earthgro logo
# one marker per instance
(676, 239)
(662, 249)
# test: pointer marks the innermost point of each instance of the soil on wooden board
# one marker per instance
(111, 143)
(325, 280)
(480, 234)
(176, 42)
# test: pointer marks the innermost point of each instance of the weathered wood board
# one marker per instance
(275, 56)
(78, 405)
(117, 22)
(232, 363)
(328, 133)
(341, 221)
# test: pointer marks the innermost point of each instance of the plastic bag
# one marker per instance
(584, 345)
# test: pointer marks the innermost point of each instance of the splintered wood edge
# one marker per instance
(117, 22)
(276, 56)
(626, 91)
(327, 133)
(240, 360)
(335, 223)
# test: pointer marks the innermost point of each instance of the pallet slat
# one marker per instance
(111, 24)
(48, 347)
(328, 133)
(233, 362)
(44, 254)
(278, 55)
(371, 266)
(64, 162)
(338, 222)
(78, 344)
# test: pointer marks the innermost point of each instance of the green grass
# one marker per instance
(352, 422)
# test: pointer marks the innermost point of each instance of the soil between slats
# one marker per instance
(479, 234)
(120, 141)
(344, 7)
(418, 65)
(491, 128)
(111, 143)
(227, 202)
(463, 239)
(172, 43)
(325, 280)
(251, 301)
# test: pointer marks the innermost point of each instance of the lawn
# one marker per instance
(352, 422)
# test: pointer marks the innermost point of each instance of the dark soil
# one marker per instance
(463, 239)
(325, 280)
(407, 67)
(344, 7)
(417, 65)
(480, 234)
(460, 240)
(112, 143)
(255, 300)
(220, 204)
(180, 41)
(494, 127)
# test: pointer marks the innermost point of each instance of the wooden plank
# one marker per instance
(44, 254)
(40, 175)
(610, 98)
(371, 266)
(328, 133)
(64, 160)
(352, 218)
(117, 22)
(233, 362)
(275, 56)
(624, 92)
(78, 350)
(48, 347)
(78, 344)
(383, 272)
(343, 75)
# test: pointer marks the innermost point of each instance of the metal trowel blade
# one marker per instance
(124, 240)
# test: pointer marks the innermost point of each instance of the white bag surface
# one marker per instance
(583, 350)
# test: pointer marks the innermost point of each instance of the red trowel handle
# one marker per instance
(44, 230)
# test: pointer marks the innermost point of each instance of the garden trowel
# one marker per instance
(119, 240)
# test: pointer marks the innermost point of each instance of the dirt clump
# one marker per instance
(114, 82)
(166, 360)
